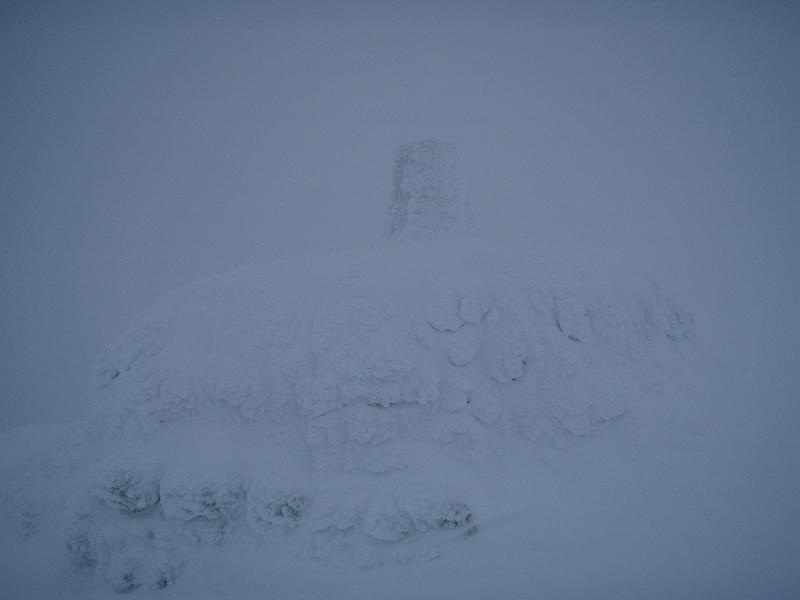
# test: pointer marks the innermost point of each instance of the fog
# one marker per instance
(147, 144)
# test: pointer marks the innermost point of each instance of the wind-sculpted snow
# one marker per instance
(324, 401)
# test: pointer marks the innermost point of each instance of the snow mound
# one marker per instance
(364, 353)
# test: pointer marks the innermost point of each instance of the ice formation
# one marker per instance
(343, 404)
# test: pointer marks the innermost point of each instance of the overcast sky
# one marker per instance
(145, 144)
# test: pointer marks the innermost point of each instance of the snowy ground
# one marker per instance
(521, 428)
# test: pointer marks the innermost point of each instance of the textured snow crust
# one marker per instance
(341, 406)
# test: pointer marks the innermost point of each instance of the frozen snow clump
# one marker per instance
(204, 508)
(275, 507)
(129, 488)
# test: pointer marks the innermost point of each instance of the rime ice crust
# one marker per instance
(427, 201)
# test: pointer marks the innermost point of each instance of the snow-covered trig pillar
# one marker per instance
(427, 202)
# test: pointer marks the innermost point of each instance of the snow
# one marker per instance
(433, 417)
(237, 406)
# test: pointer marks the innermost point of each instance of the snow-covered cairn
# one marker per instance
(427, 201)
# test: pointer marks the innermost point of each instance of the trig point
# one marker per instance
(427, 202)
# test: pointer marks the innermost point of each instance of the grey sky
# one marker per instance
(145, 144)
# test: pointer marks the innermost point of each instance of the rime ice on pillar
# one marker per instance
(427, 202)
